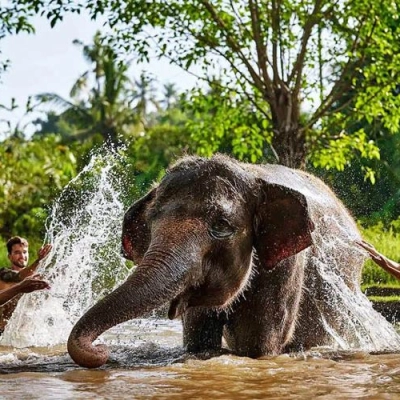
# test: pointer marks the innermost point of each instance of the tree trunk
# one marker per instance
(289, 145)
(289, 138)
(110, 135)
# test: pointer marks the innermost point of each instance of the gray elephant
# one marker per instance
(235, 248)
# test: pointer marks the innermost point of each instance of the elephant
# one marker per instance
(234, 249)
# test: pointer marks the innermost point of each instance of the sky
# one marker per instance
(48, 61)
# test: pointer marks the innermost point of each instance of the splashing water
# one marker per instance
(365, 328)
(85, 262)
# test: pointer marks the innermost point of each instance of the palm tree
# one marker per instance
(170, 95)
(144, 96)
(102, 100)
(15, 129)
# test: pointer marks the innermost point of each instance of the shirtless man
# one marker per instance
(20, 278)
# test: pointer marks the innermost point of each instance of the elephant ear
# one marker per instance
(283, 226)
(136, 234)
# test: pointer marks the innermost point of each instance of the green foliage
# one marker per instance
(372, 198)
(16, 15)
(384, 299)
(4, 261)
(31, 175)
(278, 57)
(341, 150)
(158, 146)
(223, 122)
(103, 99)
(268, 73)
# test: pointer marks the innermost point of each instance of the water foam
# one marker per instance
(365, 328)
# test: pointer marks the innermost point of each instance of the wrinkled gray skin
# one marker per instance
(224, 242)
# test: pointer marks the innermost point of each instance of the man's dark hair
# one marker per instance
(16, 240)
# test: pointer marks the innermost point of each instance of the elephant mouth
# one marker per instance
(203, 296)
(126, 248)
(177, 307)
(193, 297)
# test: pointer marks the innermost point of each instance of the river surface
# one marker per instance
(147, 362)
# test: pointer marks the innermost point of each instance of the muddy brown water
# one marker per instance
(149, 363)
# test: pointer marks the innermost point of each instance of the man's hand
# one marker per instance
(31, 284)
(44, 251)
(28, 285)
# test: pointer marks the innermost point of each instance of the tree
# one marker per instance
(284, 56)
(369, 187)
(222, 122)
(144, 95)
(165, 139)
(292, 60)
(15, 129)
(171, 95)
(32, 173)
(103, 100)
(378, 198)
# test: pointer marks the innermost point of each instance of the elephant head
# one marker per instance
(194, 238)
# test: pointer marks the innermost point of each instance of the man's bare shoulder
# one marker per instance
(7, 275)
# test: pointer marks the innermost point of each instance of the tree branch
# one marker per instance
(275, 35)
(298, 66)
(260, 46)
(257, 81)
(339, 87)
(250, 98)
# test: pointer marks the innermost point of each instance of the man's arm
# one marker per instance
(28, 285)
(28, 271)
(386, 263)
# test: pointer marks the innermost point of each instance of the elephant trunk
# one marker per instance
(158, 279)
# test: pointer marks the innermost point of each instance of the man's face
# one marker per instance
(19, 255)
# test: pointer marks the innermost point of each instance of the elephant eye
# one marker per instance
(221, 230)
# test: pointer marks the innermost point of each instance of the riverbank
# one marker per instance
(385, 300)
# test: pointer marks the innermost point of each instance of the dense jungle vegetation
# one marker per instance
(310, 84)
